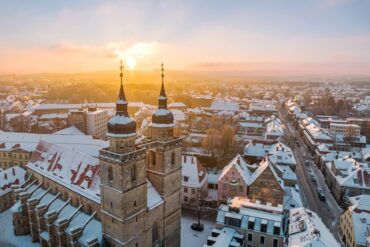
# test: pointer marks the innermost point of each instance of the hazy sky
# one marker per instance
(276, 37)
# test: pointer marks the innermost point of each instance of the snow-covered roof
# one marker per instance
(292, 199)
(221, 105)
(307, 229)
(248, 175)
(153, 197)
(193, 173)
(28, 141)
(240, 165)
(350, 173)
(317, 133)
(72, 169)
(288, 173)
(280, 153)
(53, 116)
(12, 176)
(176, 104)
(72, 130)
(256, 149)
(178, 115)
(259, 212)
(224, 237)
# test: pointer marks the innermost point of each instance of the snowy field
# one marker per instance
(190, 238)
(7, 237)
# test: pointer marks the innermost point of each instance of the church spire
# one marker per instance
(121, 104)
(162, 100)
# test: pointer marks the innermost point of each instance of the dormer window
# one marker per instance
(186, 178)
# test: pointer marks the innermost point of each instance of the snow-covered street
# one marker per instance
(191, 238)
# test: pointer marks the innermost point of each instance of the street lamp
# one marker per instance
(197, 226)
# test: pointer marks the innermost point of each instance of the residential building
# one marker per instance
(307, 229)
(260, 224)
(354, 222)
(256, 182)
(91, 121)
(347, 177)
(194, 182)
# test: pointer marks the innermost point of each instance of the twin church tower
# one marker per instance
(141, 181)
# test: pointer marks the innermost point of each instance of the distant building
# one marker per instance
(13, 155)
(355, 222)
(194, 181)
(91, 121)
(307, 229)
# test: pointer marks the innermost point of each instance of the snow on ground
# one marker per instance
(7, 237)
(191, 238)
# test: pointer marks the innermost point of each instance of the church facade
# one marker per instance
(134, 174)
(139, 201)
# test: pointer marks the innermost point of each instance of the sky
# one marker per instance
(285, 37)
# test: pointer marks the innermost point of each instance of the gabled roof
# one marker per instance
(240, 165)
(193, 173)
(265, 164)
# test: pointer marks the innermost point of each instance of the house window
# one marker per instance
(275, 243)
(250, 237)
(185, 199)
(263, 227)
(276, 230)
(110, 174)
(232, 221)
(152, 158)
(185, 190)
(193, 191)
(262, 240)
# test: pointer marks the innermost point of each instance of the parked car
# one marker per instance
(322, 196)
(296, 187)
(307, 162)
(313, 179)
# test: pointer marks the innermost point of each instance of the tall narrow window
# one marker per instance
(133, 173)
(155, 232)
(110, 174)
(152, 158)
(173, 158)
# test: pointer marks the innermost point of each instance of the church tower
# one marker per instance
(123, 180)
(164, 167)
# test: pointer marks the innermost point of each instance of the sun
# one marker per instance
(131, 62)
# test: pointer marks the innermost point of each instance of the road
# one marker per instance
(328, 210)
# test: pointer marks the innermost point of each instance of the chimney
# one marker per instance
(5, 176)
(13, 171)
